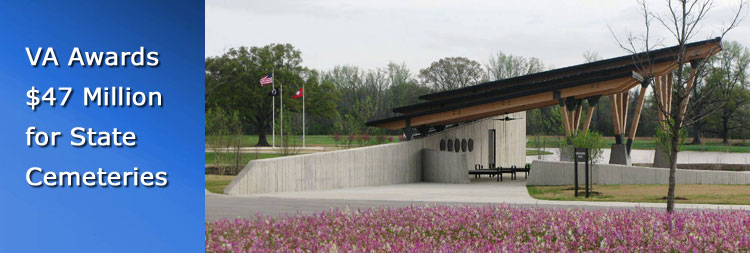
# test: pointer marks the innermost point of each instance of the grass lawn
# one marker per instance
(216, 183)
(648, 143)
(246, 157)
(310, 140)
(688, 194)
(531, 152)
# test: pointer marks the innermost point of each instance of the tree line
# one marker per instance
(341, 99)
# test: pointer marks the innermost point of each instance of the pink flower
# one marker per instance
(485, 228)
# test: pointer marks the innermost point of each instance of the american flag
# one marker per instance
(268, 79)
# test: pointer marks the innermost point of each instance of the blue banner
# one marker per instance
(102, 139)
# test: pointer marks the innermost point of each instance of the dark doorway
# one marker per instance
(491, 150)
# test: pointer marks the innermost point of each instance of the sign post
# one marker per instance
(582, 155)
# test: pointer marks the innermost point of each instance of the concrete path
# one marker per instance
(402, 195)
(647, 156)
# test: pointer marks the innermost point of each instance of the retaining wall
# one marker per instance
(396, 163)
(444, 167)
(562, 173)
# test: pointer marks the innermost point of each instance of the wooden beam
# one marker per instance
(509, 105)
(589, 115)
(495, 113)
(393, 125)
(581, 91)
(669, 85)
(579, 108)
(625, 102)
(585, 90)
(658, 93)
(566, 123)
(615, 114)
(572, 118)
(688, 88)
(637, 112)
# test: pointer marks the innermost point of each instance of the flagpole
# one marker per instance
(281, 101)
(273, 108)
(303, 114)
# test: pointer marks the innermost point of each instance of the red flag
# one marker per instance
(298, 94)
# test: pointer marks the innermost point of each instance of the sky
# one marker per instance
(370, 34)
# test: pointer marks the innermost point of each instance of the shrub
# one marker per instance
(336, 139)
(380, 139)
(351, 139)
(365, 139)
(587, 139)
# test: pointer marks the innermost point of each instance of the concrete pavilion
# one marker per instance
(483, 125)
(569, 87)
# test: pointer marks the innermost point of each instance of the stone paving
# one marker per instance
(480, 192)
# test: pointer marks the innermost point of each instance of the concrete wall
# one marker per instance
(561, 173)
(444, 167)
(396, 163)
(510, 140)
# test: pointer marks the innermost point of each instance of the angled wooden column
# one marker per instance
(689, 86)
(615, 113)
(669, 83)
(618, 153)
(659, 96)
(637, 114)
(624, 110)
(566, 125)
(579, 107)
(592, 101)
(589, 115)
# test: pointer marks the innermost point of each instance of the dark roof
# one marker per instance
(551, 80)
(490, 99)
(564, 82)
(561, 72)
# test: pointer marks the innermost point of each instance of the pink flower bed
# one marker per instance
(488, 228)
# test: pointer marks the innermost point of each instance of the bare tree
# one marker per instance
(502, 66)
(683, 21)
(591, 56)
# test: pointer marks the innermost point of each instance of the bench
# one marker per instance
(526, 170)
(498, 171)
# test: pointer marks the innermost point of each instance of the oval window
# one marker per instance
(463, 145)
(457, 144)
(450, 145)
(471, 145)
(442, 145)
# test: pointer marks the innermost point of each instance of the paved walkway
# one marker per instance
(402, 195)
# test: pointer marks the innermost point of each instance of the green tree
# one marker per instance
(452, 73)
(728, 72)
(232, 83)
